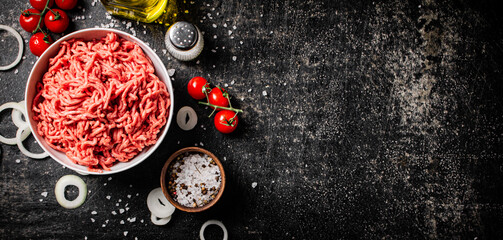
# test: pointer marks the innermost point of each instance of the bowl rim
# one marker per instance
(165, 189)
(161, 71)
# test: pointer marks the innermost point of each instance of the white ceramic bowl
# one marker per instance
(41, 67)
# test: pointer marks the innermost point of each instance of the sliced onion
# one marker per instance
(182, 115)
(158, 204)
(19, 142)
(214, 222)
(159, 221)
(24, 134)
(16, 116)
(20, 47)
(59, 191)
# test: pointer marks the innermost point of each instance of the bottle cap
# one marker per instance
(184, 41)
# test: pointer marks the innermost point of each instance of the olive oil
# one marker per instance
(158, 11)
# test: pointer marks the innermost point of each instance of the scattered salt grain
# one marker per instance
(125, 233)
(16, 71)
(92, 220)
(121, 211)
(226, 85)
(18, 160)
(215, 36)
(249, 90)
(114, 212)
(132, 219)
(234, 27)
(122, 222)
(108, 197)
(264, 93)
(234, 58)
(110, 178)
(230, 32)
(40, 200)
(225, 24)
(214, 25)
(94, 212)
(44, 194)
(254, 184)
(171, 72)
(129, 196)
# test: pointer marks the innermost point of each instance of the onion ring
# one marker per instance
(158, 204)
(59, 191)
(159, 221)
(24, 134)
(182, 115)
(21, 46)
(16, 116)
(215, 222)
(23, 149)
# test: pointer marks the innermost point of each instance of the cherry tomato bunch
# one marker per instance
(226, 120)
(42, 15)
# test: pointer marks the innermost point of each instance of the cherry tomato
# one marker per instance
(196, 87)
(66, 4)
(226, 121)
(56, 21)
(40, 4)
(38, 43)
(29, 21)
(216, 97)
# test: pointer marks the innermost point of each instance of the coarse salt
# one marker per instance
(198, 180)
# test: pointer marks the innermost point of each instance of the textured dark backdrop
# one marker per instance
(362, 119)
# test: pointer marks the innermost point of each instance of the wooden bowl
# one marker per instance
(164, 180)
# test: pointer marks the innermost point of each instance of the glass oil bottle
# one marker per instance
(163, 12)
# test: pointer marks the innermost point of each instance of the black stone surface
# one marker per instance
(362, 120)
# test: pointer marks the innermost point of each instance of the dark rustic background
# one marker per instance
(362, 120)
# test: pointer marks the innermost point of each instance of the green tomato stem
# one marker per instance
(38, 28)
(224, 108)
